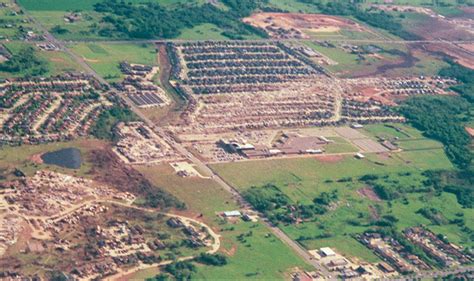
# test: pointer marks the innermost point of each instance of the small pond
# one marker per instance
(67, 158)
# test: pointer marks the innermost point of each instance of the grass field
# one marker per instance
(205, 31)
(58, 62)
(292, 6)
(105, 58)
(20, 157)
(85, 5)
(305, 178)
(418, 2)
(262, 256)
(350, 65)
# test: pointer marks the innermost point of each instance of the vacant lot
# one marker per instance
(23, 157)
(354, 212)
(105, 58)
(259, 255)
(296, 25)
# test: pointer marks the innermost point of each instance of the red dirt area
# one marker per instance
(231, 251)
(36, 158)
(294, 25)
(329, 158)
(369, 193)
(364, 94)
(470, 131)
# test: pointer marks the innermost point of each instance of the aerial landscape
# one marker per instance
(236, 140)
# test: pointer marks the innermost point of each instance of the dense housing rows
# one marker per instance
(50, 109)
(230, 67)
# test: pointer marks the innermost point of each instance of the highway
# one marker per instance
(205, 169)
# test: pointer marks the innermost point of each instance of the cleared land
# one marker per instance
(304, 26)
(306, 178)
(260, 256)
(105, 58)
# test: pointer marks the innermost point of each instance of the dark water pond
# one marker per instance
(67, 158)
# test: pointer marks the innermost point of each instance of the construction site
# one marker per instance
(302, 26)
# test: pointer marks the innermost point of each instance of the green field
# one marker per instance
(293, 6)
(262, 256)
(84, 5)
(105, 58)
(351, 65)
(419, 2)
(58, 62)
(205, 31)
(21, 157)
(306, 178)
(13, 24)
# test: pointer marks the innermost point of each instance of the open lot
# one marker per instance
(260, 256)
(105, 58)
(57, 62)
(303, 179)
(306, 26)
(368, 60)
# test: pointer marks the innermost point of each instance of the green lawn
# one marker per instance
(105, 58)
(302, 179)
(339, 145)
(392, 130)
(58, 62)
(293, 6)
(261, 256)
(85, 5)
(20, 157)
(205, 31)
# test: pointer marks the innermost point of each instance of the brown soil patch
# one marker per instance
(36, 158)
(57, 59)
(369, 193)
(470, 131)
(469, 47)
(90, 60)
(231, 251)
(294, 25)
(373, 213)
(35, 246)
(329, 158)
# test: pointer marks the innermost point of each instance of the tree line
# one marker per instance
(151, 20)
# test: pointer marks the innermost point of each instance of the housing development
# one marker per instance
(236, 140)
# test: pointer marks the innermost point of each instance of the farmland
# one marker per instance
(106, 58)
(200, 196)
(304, 179)
(298, 180)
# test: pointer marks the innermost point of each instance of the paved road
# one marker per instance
(438, 274)
(368, 41)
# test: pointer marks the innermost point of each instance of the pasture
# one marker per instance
(303, 179)
(87, 5)
(105, 58)
(25, 157)
(57, 62)
(259, 255)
